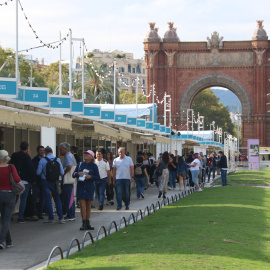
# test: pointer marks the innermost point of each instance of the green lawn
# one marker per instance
(260, 178)
(219, 228)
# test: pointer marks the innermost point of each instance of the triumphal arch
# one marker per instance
(183, 69)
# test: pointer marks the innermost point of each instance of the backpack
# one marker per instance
(138, 170)
(52, 170)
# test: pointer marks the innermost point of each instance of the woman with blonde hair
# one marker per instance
(7, 197)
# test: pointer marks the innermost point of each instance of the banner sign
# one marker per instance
(253, 155)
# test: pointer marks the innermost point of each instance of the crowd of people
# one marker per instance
(99, 175)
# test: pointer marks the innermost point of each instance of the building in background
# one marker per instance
(127, 65)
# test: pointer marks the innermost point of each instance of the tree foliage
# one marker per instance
(127, 97)
(208, 105)
(99, 90)
(50, 74)
(7, 61)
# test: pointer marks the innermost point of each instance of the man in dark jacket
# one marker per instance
(23, 163)
(222, 164)
(36, 186)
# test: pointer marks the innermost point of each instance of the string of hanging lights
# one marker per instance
(48, 45)
(5, 3)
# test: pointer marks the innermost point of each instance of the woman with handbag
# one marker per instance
(86, 172)
(7, 197)
(163, 179)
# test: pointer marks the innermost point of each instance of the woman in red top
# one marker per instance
(7, 197)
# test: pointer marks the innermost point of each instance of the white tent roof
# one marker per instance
(206, 134)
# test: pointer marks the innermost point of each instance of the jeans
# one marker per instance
(23, 198)
(203, 174)
(211, 169)
(47, 189)
(122, 186)
(195, 175)
(67, 190)
(172, 179)
(7, 204)
(140, 184)
(223, 177)
(100, 189)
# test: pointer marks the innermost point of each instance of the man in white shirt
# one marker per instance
(105, 176)
(123, 174)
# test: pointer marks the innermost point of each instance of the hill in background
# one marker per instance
(229, 99)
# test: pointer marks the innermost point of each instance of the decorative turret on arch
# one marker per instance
(215, 79)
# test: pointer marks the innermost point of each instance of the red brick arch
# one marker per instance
(210, 80)
(183, 69)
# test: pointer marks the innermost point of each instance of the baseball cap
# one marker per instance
(89, 152)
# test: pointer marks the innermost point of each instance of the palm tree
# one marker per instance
(99, 89)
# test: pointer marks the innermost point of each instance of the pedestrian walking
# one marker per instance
(195, 171)
(105, 176)
(50, 169)
(67, 195)
(222, 164)
(7, 197)
(87, 173)
(182, 172)
(110, 187)
(163, 179)
(123, 175)
(36, 186)
(24, 166)
(140, 174)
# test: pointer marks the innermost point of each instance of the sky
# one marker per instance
(122, 25)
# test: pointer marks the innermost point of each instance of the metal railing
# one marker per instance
(148, 210)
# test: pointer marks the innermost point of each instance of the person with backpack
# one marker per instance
(140, 173)
(50, 169)
(24, 166)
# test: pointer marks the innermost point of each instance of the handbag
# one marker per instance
(68, 179)
(17, 188)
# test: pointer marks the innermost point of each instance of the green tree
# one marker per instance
(127, 97)
(7, 62)
(98, 89)
(50, 75)
(208, 105)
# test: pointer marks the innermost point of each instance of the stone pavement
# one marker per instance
(33, 241)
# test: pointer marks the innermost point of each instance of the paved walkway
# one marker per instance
(33, 241)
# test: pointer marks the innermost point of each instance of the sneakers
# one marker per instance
(100, 207)
(127, 208)
(9, 245)
(49, 221)
(118, 208)
(62, 221)
(111, 202)
(21, 220)
(169, 188)
(142, 196)
(2, 246)
(199, 189)
(69, 219)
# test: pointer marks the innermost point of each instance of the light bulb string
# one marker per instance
(48, 45)
(5, 3)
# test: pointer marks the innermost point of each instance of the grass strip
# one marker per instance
(219, 228)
